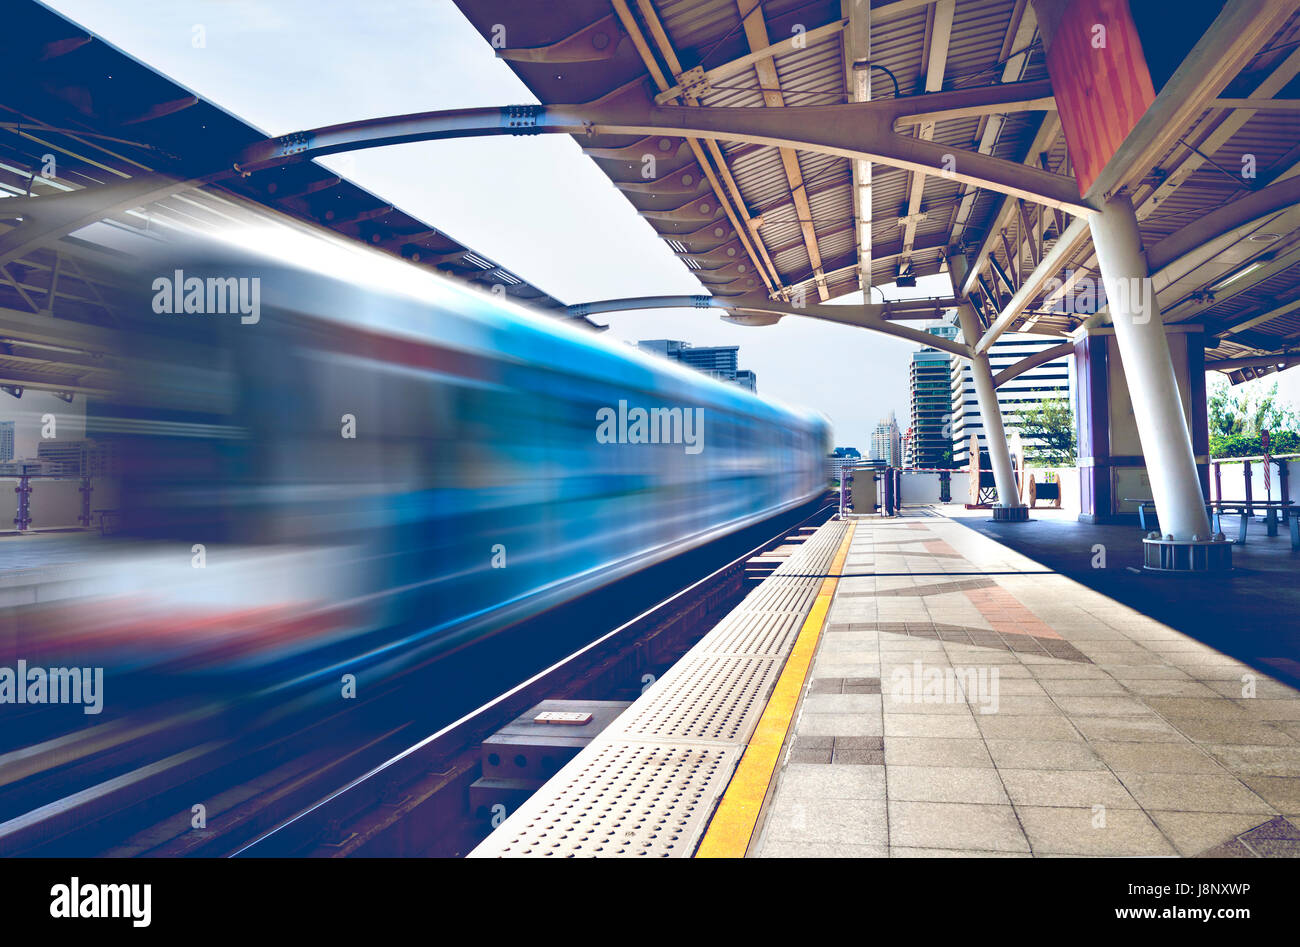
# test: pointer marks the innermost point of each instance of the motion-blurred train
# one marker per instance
(322, 448)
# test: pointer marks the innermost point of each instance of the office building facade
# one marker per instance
(840, 458)
(720, 361)
(1050, 381)
(930, 385)
(887, 442)
(79, 458)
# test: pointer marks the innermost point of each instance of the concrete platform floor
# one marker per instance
(1253, 613)
(966, 701)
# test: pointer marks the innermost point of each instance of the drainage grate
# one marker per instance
(711, 697)
(620, 800)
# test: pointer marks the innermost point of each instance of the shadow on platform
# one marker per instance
(1252, 613)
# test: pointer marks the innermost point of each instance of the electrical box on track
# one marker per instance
(532, 748)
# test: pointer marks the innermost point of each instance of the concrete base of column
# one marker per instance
(1010, 514)
(1185, 555)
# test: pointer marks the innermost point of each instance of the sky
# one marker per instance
(535, 205)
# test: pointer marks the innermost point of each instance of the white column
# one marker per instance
(1149, 371)
(999, 450)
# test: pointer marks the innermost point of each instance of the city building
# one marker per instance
(1047, 382)
(930, 385)
(720, 361)
(840, 458)
(62, 458)
(80, 458)
(6, 440)
(887, 442)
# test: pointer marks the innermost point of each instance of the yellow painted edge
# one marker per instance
(732, 827)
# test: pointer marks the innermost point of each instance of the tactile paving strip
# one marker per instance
(648, 784)
(711, 697)
(619, 800)
(755, 633)
(786, 596)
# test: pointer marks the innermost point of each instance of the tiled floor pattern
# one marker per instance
(851, 751)
(1023, 715)
(1007, 638)
(1277, 838)
(926, 589)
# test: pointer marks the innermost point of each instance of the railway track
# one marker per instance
(281, 775)
(415, 804)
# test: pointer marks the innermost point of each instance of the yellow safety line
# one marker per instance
(732, 827)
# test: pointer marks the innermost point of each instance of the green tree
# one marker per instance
(1237, 419)
(1048, 430)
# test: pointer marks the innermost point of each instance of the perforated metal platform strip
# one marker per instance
(648, 784)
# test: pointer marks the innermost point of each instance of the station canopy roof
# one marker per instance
(771, 221)
(105, 117)
(783, 221)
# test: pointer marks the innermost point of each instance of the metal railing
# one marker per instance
(44, 501)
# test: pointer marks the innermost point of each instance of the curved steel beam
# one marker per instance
(858, 131)
(1219, 223)
(1033, 361)
(871, 316)
(861, 130)
(1180, 253)
(636, 303)
(1281, 362)
(595, 42)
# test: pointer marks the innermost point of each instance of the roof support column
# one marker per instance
(1149, 371)
(857, 79)
(982, 373)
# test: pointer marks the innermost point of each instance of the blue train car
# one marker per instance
(461, 462)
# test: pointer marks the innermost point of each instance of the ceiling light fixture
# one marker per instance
(1233, 277)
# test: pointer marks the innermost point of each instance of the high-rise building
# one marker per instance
(1047, 382)
(887, 442)
(64, 458)
(720, 361)
(840, 458)
(80, 458)
(930, 381)
(6, 441)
